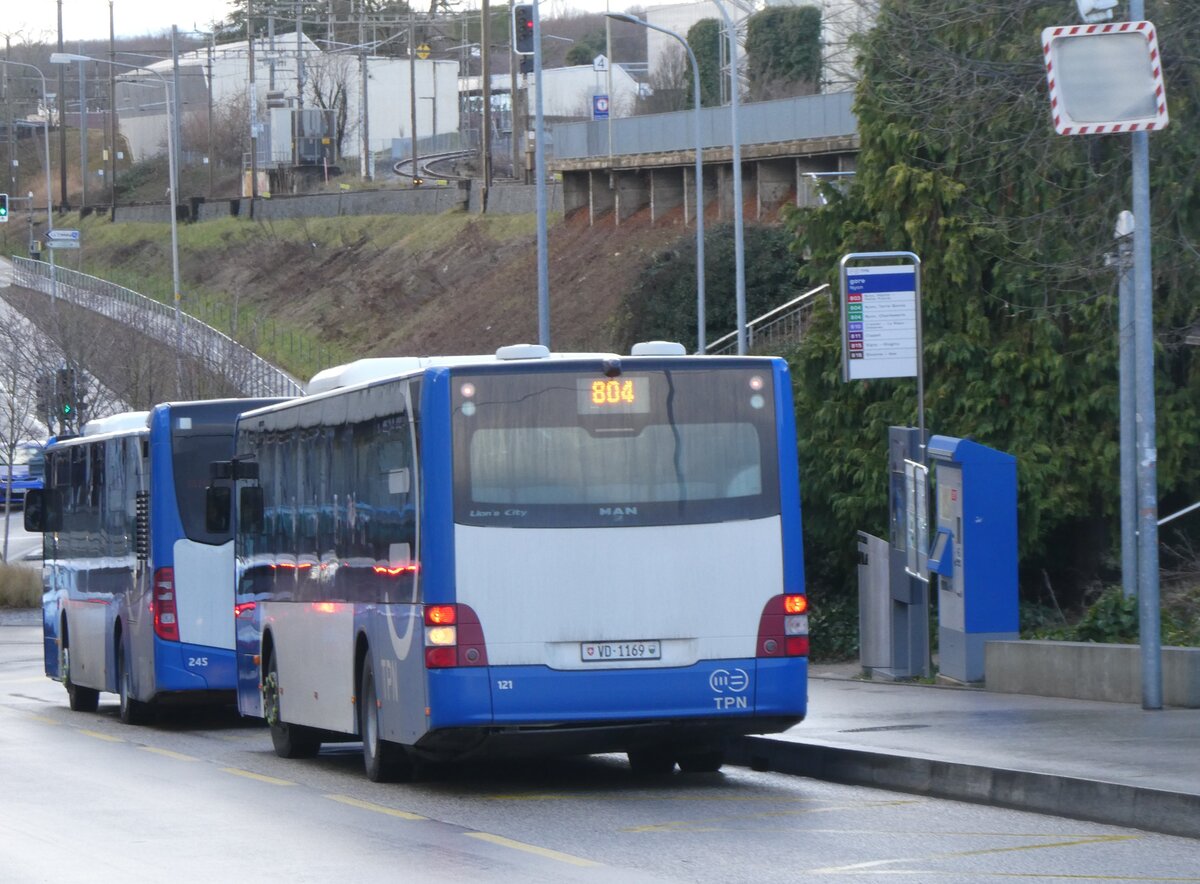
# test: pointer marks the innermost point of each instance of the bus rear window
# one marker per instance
(193, 454)
(559, 449)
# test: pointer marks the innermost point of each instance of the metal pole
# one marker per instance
(365, 152)
(174, 96)
(739, 246)
(83, 137)
(62, 118)
(46, 161)
(253, 106)
(1147, 450)
(485, 123)
(62, 58)
(412, 91)
(1127, 374)
(701, 322)
(112, 114)
(539, 171)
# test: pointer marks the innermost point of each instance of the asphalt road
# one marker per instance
(201, 797)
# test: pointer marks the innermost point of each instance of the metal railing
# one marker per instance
(215, 352)
(784, 325)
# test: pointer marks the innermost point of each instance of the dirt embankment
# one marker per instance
(469, 292)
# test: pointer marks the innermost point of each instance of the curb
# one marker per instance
(1116, 804)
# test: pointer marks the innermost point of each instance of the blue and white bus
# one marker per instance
(137, 592)
(523, 554)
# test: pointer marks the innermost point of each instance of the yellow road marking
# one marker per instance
(100, 736)
(262, 778)
(537, 851)
(167, 753)
(716, 823)
(377, 808)
(1076, 841)
(43, 719)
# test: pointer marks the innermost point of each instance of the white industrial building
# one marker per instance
(223, 74)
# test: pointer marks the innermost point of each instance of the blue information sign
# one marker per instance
(599, 107)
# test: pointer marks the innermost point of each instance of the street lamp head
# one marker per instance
(625, 17)
(68, 58)
(1092, 11)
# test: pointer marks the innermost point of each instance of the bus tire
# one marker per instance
(289, 740)
(655, 761)
(132, 711)
(706, 761)
(383, 760)
(80, 699)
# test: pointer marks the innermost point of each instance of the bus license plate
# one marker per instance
(605, 652)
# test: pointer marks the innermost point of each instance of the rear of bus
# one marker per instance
(192, 597)
(616, 543)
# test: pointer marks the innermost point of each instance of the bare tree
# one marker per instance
(329, 84)
(668, 84)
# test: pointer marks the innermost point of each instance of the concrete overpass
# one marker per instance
(616, 168)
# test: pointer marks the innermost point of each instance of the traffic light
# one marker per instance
(65, 394)
(523, 29)
(45, 395)
(3, 208)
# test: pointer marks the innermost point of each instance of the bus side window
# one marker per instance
(250, 509)
(217, 499)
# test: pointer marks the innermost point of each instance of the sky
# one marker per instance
(88, 19)
(37, 20)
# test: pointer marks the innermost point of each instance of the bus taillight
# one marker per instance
(783, 627)
(166, 621)
(453, 637)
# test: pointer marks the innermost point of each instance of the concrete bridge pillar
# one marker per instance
(601, 198)
(667, 191)
(632, 193)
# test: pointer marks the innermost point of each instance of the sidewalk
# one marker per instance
(1108, 762)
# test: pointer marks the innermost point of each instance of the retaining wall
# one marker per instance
(1088, 671)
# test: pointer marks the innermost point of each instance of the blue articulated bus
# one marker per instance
(530, 553)
(137, 592)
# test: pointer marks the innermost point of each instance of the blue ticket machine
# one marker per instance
(973, 552)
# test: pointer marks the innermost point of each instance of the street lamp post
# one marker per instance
(173, 184)
(49, 195)
(700, 318)
(739, 244)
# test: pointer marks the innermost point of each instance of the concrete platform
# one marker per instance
(1113, 763)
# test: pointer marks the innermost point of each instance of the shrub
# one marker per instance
(19, 587)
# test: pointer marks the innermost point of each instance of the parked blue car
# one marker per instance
(28, 471)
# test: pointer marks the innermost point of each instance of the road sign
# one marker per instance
(61, 239)
(599, 107)
(879, 322)
(423, 51)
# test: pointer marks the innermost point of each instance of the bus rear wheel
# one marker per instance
(652, 762)
(707, 761)
(384, 761)
(132, 711)
(289, 740)
(80, 699)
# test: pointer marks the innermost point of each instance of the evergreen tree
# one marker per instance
(960, 164)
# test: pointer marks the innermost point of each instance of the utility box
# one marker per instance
(893, 603)
(973, 553)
